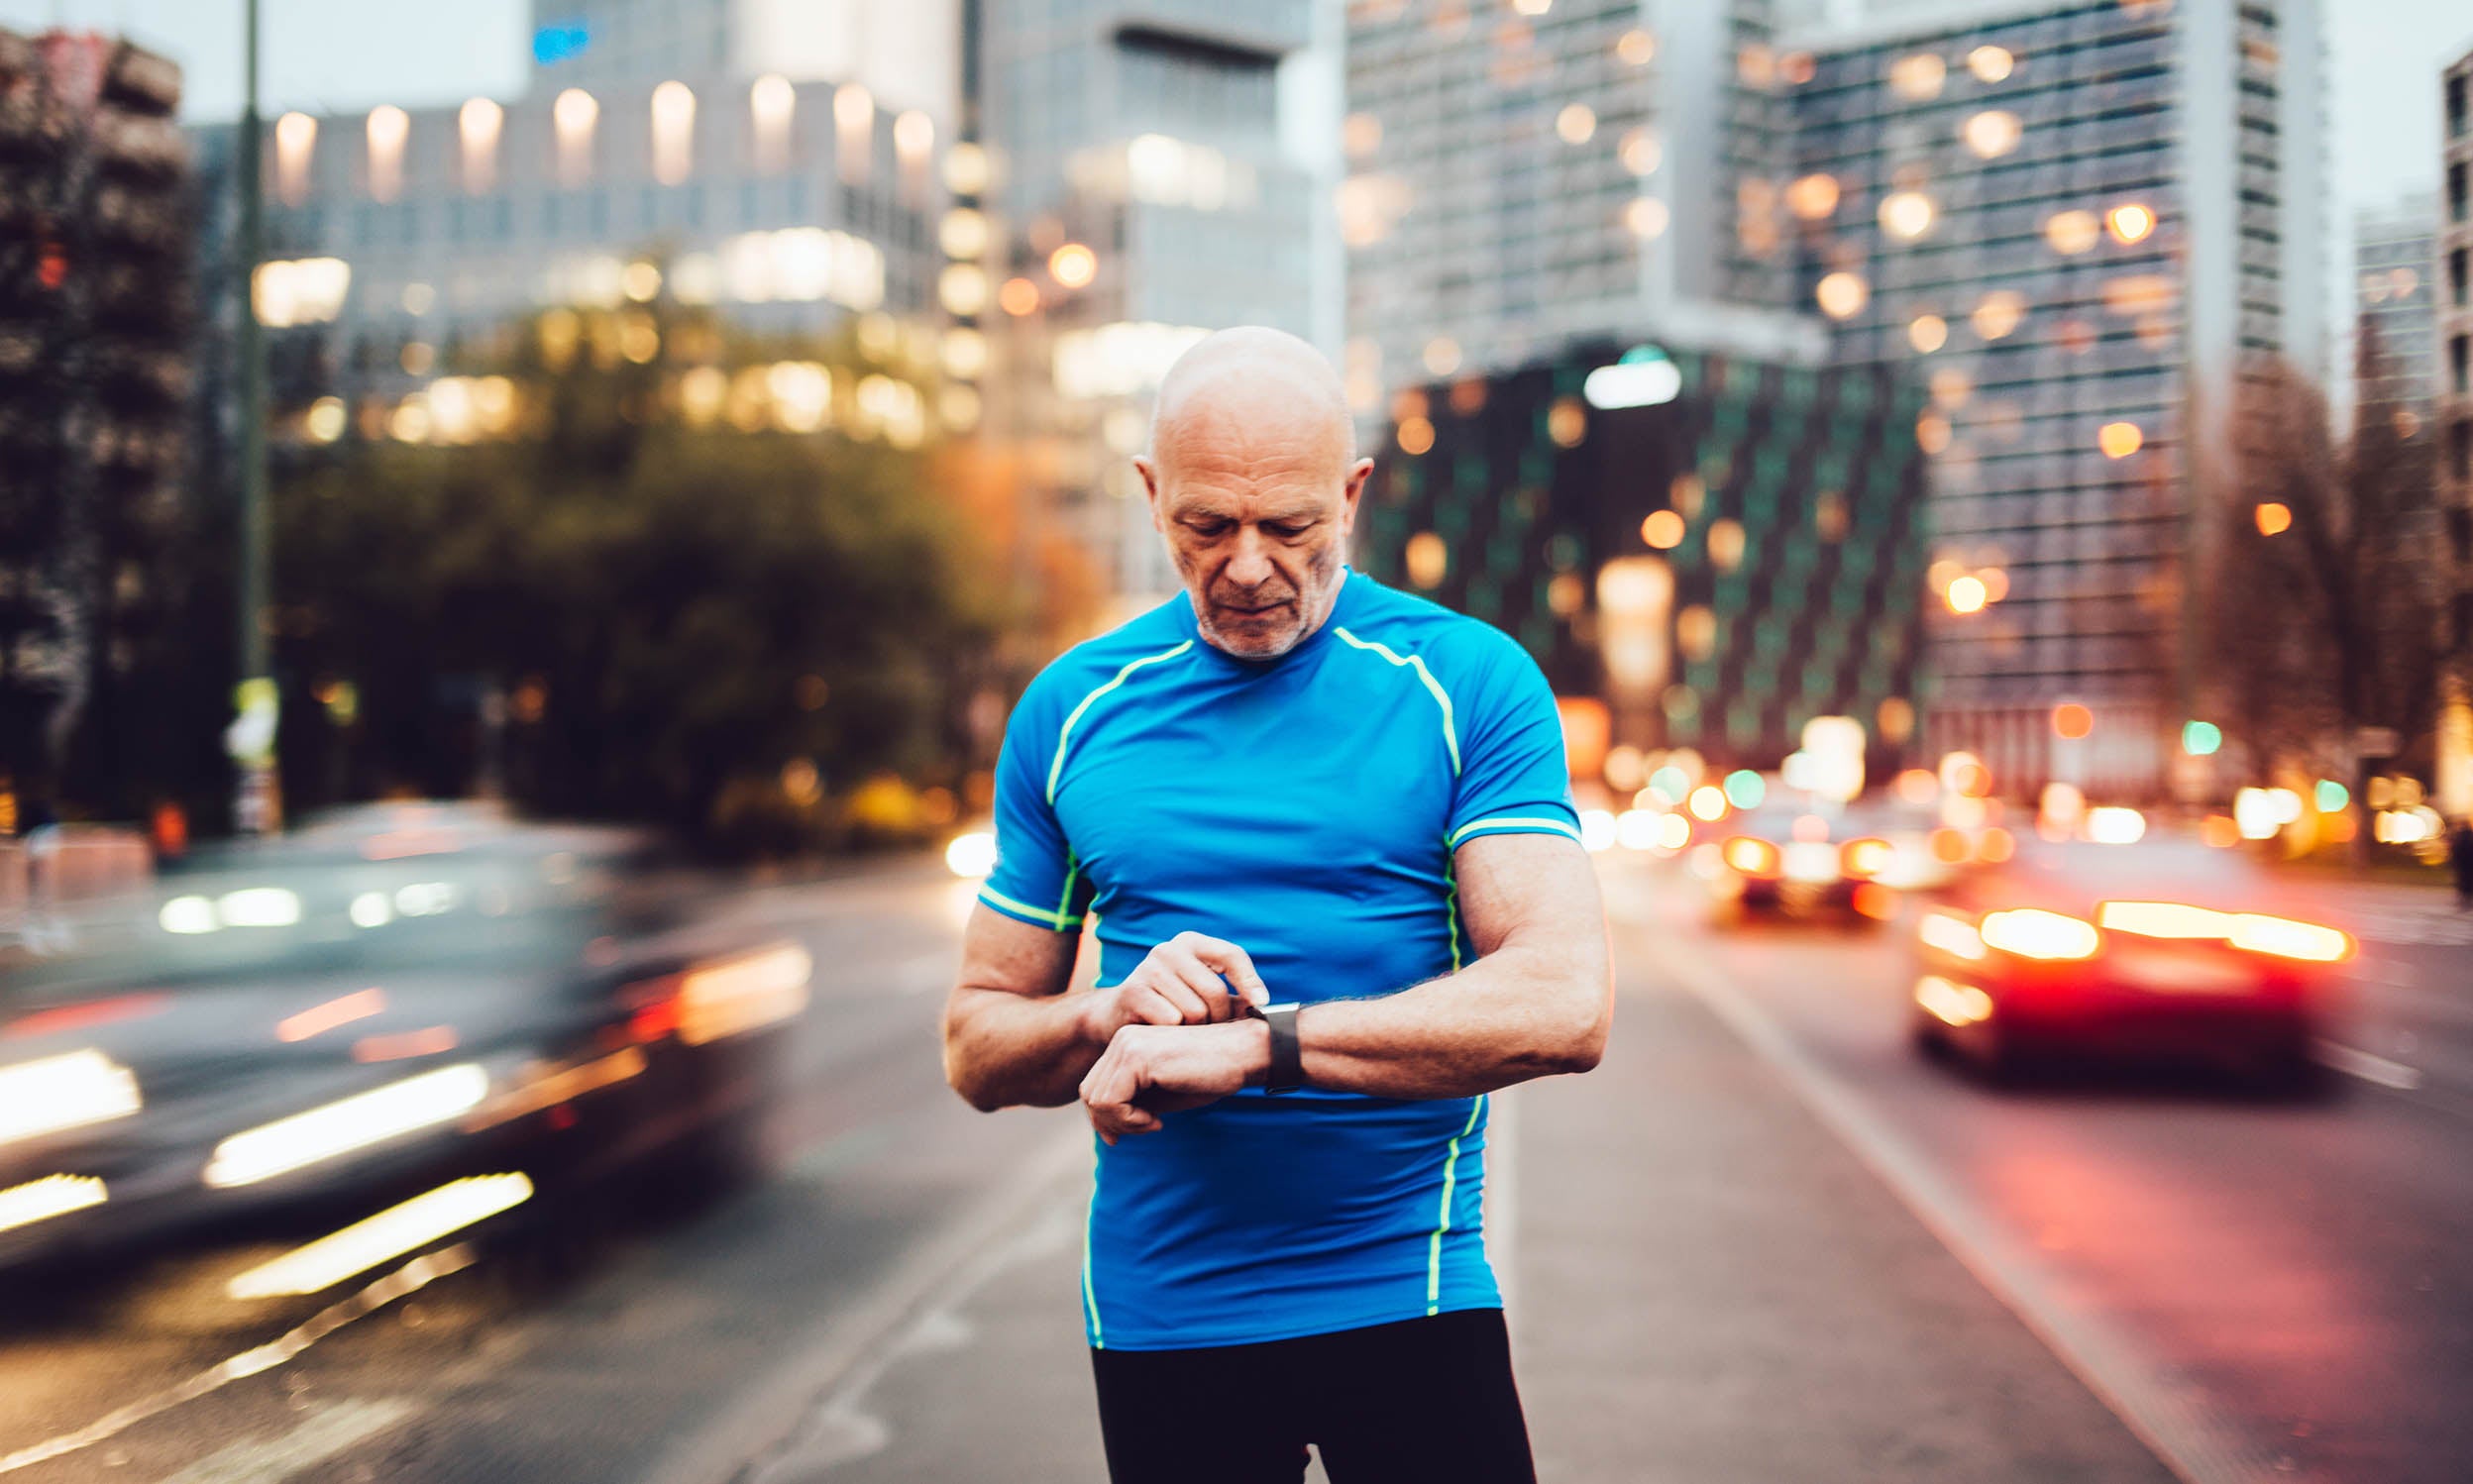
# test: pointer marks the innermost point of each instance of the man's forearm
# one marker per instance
(1008, 1050)
(1508, 1017)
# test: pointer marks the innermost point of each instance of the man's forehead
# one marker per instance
(1296, 501)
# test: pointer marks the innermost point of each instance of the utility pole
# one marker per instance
(250, 737)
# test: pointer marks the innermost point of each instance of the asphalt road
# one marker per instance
(1764, 1242)
(2268, 1286)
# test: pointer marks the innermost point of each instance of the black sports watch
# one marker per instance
(1287, 1071)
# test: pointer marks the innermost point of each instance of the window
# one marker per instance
(2459, 270)
(2460, 364)
(2460, 450)
(2457, 110)
(2456, 205)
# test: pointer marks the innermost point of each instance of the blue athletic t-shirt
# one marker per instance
(1304, 808)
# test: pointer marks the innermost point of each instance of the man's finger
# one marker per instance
(1234, 963)
(1161, 999)
(1211, 994)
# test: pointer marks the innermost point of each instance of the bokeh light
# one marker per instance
(1842, 294)
(1073, 265)
(2274, 518)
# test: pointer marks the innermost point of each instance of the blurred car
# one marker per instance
(415, 1010)
(2157, 950)
(1801, 859)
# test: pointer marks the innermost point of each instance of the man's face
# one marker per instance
(1257, 528)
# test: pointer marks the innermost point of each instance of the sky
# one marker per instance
(336, 54)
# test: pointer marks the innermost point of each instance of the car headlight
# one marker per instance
(348, 1125)
(60, 1093)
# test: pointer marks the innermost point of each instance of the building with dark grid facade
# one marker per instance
(1720, 566)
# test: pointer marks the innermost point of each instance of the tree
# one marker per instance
(2325, 605)
(673, 616)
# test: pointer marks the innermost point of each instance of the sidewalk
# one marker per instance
(1705, 1288)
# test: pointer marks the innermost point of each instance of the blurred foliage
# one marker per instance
(615, 614)
(2333, 624)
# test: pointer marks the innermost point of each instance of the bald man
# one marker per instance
(1327, 831)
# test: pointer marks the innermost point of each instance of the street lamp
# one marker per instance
(249, 740)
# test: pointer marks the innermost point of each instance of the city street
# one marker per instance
(1765, 1241)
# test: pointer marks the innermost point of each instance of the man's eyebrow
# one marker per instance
(1297, 516)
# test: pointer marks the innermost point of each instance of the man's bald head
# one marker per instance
(1255, 374)
(1254, 480)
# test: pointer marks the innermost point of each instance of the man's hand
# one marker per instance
(1189, 980)
(1148, 1070)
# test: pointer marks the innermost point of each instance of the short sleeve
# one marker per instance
(1036, 879)
(1514, 778)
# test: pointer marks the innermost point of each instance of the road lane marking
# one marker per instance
(412, 1277)
(325, 1431)
(810, 1393)
(2175, 1421)
(2354, 1062)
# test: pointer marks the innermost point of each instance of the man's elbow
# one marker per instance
(1583, 1042)
(963, 1073)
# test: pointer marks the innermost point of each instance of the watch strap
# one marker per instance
(1287, 1071)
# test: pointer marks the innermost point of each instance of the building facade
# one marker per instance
(1717, 550)
(2396, 299)
(394, 235)
(904, 54)
(1157, 175)
(2452, 273)
(1526, 175)
(2080, 224)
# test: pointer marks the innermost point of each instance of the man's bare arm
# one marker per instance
(1538, 1000)
(1013, 1035)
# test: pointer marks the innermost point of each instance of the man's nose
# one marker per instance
(1251, 567)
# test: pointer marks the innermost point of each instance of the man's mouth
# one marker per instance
(1255, 611)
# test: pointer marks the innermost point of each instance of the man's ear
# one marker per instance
(1352, 494)
(1151, 490)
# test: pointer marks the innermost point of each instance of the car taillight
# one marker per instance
(2286, 939)
(2164, 919)
(1864, 857)
(1752, 856)
(2032, 932)
(1953, 935)
(2258, 932)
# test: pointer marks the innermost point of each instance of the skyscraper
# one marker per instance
(392, 235)
(1529, 174)
(2396, 299)
(2078, 223)
(905, 54)
(1154, 180)
(2451, 270)
(2082, 224)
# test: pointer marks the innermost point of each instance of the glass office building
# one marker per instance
(1525, 175)
(2395, 298)
(1158, 174)
(395, 235)
(2080, 225)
